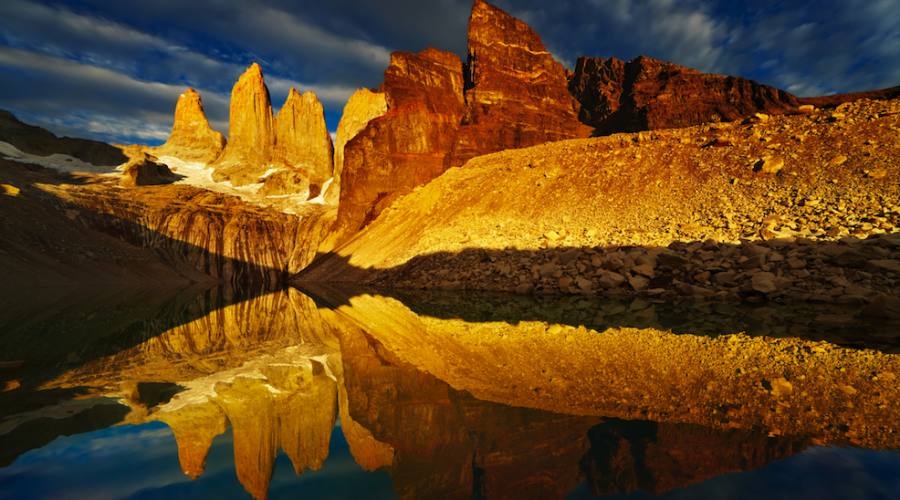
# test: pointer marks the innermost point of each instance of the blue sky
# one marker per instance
(113, 70)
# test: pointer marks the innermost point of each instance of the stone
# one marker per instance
(192, 139)
(769, 165)
(638, 283)
(609, 279)
(890, 265)
(251, 132)
(144, 170)
(781, 388)
(548, 270)
(764, 282)
(882, 306)
(646, 269)
(838, 160)
(876, 173)
(302, 141)
(796, 263)
(584, 285)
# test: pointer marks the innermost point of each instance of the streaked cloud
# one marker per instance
(113, 70)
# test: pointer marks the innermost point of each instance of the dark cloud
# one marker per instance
(113, 70)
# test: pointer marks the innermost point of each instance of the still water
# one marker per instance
(353, 394)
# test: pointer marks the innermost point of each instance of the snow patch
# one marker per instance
(56, 161)
(201, 175)
(320, 200)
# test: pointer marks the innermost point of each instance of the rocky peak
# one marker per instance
(251, 135)
(516, 92)
(510, 94)
(302, 141)
(503, 46)
(363, 107)
(192, 139)
(647, 93)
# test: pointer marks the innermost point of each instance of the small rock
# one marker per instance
(876, 173)
(764, 282)
(609, 279)
(10, 190)
(769, 165)
(646, 269)
(638, 283)
(781, 387)
(885, 265)
(838, 160)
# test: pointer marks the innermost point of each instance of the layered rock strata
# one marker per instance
(646, 94)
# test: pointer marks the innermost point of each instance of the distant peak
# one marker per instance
(254, 69)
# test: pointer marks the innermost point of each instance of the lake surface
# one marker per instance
(363, 394)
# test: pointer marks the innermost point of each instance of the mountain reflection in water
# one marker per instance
(357, 394)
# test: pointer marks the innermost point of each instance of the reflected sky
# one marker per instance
(279, 395)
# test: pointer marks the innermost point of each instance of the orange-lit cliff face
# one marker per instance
(510, 94)
(192, 139)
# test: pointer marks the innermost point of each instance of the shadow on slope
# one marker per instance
(844, 292)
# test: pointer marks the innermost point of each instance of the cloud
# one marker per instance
(107, 104)
(105, 66)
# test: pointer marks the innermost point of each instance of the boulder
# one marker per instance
(144, 170)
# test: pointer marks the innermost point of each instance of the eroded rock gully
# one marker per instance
(202, 232)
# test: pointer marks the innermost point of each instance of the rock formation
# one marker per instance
(192, 139)
(516, 92)
(673, 212)
(289, 154)
(143, 170)
(251, 134)
(510, 94)
(302, 141)
(38, 141)
(646, 93)
(407, 146)
(363, 107)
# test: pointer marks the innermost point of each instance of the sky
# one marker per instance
(113, 70)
